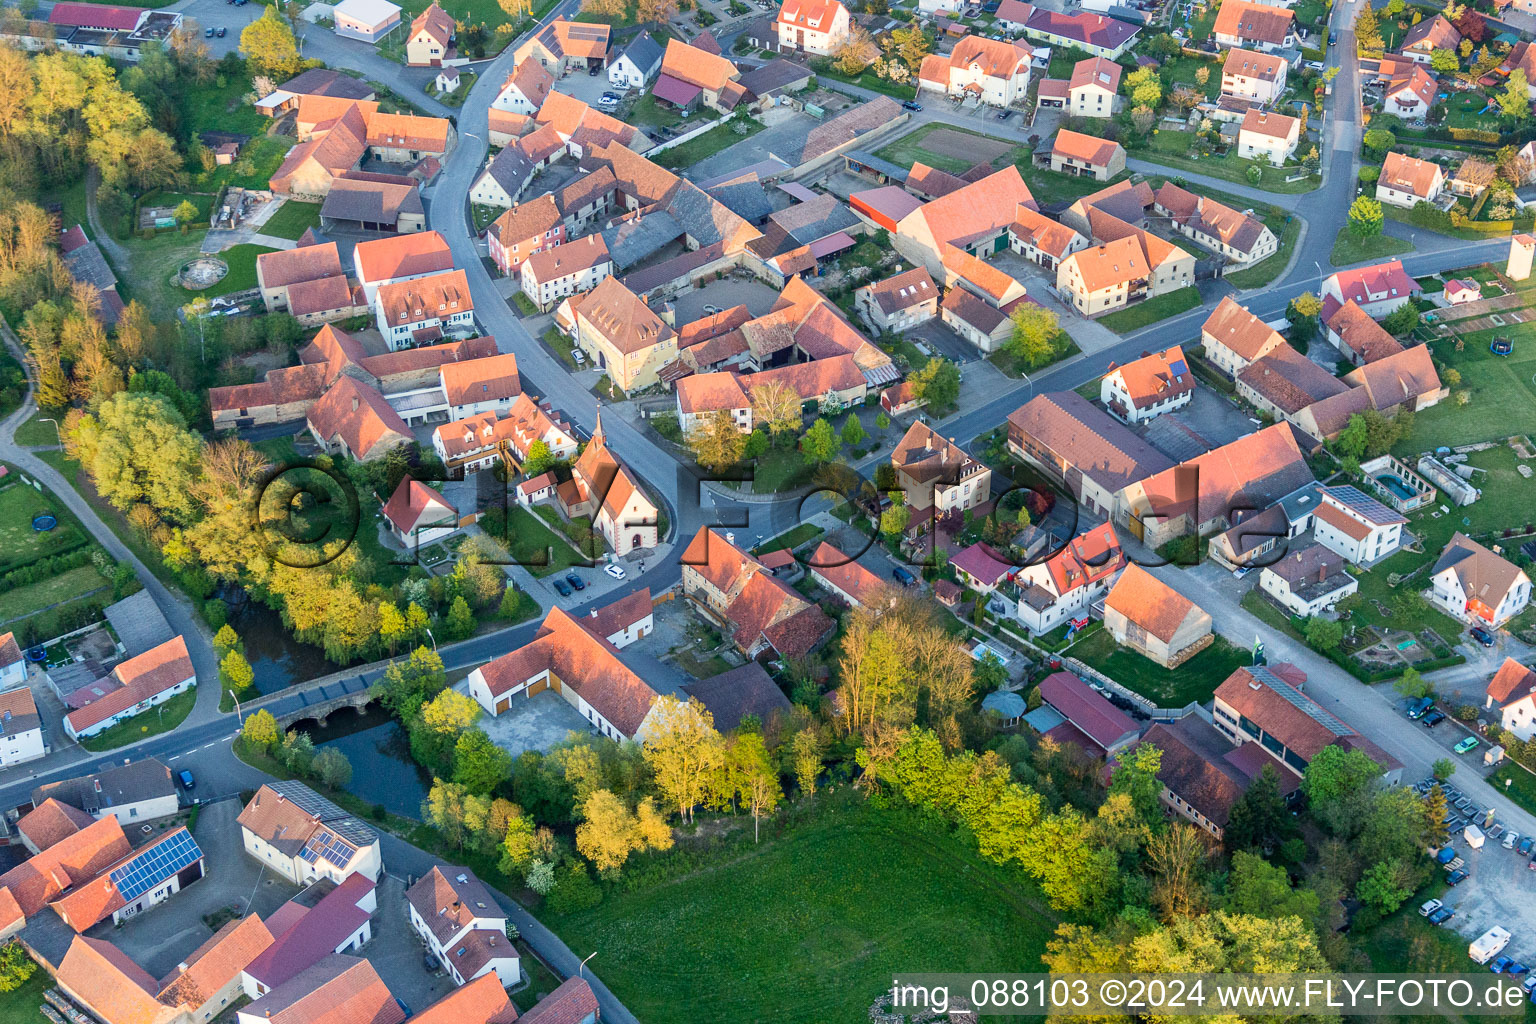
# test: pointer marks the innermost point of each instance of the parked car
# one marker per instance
(1417, 708)
(575, 581)
(1003, 115)
(562, 588)
(616, 571)
(1441, 916)
(186, 779)
(1433, 719)
(1517, 969)
(578, 356)
(1241, 571)
(911, 105)
(222, 32)
(1481, 635)
(430, 963)
(1510, 839)
(903, 577)
(1456, 877)
(1466, 745)
(1524, 849)
(1430, 907)
(1500, 962)
(593, 70)
(208, 33)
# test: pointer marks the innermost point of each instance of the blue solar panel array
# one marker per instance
(332, 848)
(1178, 367)
(155, 865)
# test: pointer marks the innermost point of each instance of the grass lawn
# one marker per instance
(158, 719)
(1465, 110)
(1270, 267)
(1051, 187)
(292, 219)
(536, 547)
(1195, 680)
(19, 543)
(722, 136)
(66, 586)
(909, 149)
(258, 161)
(866, 80)
(22, 1005)
(646, 111)
(216, 108)
(871, 893)
(1350, 248)
(1500, 385)
(791, 539)
(1181, 71)
(204, 204)
(242, 269)
(775, 470)
(1517, 783)
(1063, 59)
(1063, 347)
(1150, 311)
(1173, 148)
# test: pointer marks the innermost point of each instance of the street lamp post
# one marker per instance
(432, 638)
(56, 432)
(582, 970)
(238, 716)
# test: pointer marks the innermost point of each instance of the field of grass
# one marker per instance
(1181, 71)
(536, 547)
(292, 219)
(242, 270)
(1051, 187)
(1150, 311)
(203, 202)
(721, 137)
(865, 80)
(258, 161)
(22, 1005)
(909, 149)
(1517, 783)
(222, 108)
(1501, 385)
(1271, 267)
(66, 586)
(19, 543)
(1195, 680)
(647, 112)
(810, 924)
(158, 719)
(1172, 147)
(791, 538)
(1349, 248)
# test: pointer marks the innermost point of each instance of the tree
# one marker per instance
(391, 625)
(1335, 782)
(1380, 141)
(260, 730)
(1515, 100)
(603, 8)
(450, 712)
(857, 52)
(1365, 217)
(938, 384)
(806, 751)
(1367, 29)
(715, 440)
(756, 445)
(444, 811)
(516, 10)
(297, 753)
(137, 448)
(226, 640)
(1445, 62)
(1444, 768)
(608, 832)
(1385, 886)
(853, 431)
(460, 624)
(1402, 320)
(758, 780)
(1144, 87)
(269, 46)
(776, 408)
(1034, 334)
(1136, 776)
(1395, 7)
(909, 45)
(1412, 684)
(1142, 119)
(539, 459)
(16, 967)
(882, 421)
(479, 765)
(820, 444)
(684, 751)
(333, 768)
(655, 833)
(1323, 634)
(1185, 99)
(1260, 889)
(655, 12)
(185, 213)
(235, 672)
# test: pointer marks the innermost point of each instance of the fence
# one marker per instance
(692, 133)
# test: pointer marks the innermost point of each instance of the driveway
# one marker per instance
(532, 723)
(756, 296)
(219, 14)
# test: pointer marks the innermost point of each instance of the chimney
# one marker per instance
(354, 403)
(97, 784)
(593, 613)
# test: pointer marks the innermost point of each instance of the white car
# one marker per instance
(616, 571)
(578, 356)
(1510, 839)
(1430, 908)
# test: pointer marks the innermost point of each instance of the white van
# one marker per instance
(1488, 945)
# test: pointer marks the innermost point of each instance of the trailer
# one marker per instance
(1474, 837)
(1488, 945)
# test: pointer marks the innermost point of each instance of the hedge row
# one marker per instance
(44, 568)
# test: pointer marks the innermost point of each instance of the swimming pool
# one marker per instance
(1395, 484)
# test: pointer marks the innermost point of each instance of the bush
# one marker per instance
(16, 967)
(574, 890)
(215, 613)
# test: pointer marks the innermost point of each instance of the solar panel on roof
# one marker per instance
(1302, 703)
(155, 865)
(1357, 500)
(1177, 366)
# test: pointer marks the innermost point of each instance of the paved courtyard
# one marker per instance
(532, 723)
(733, 291)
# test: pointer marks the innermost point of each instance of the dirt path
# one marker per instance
(115, 253)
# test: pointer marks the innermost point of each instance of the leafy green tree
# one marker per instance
(269, 46)
(137, 448)
(460, 624)
(1335, 783)
(479, 765)
(1034, 334)
(853, 431)
(539, 459)
(297, 752)
(1144, 87)
(882, 421)
(1380, 141)
(1444, 768)
(1401, 320)
(1367, 29)
(1365, 217)
(332, 768)
(1413, 685)
(894, 520)
(1385, 886)
(261, 730)
(1259, 819)
(235, 672)
(1515, 100)
(1394, 827)
(1136, 776)
(1323, 634)
(1260, 889)
(226, 640)
(820, 444)
(16, 967)
(756, 446)
(1444, 62)
(938, 384)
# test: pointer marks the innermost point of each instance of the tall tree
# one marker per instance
(479, 765)
(684, 750)
(269, 46)
(716, 441)
(776, 408)
(1259, 819)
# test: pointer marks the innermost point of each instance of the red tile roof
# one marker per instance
(308, 936)
(482, 1001)
(1256, 22)
(290, 266)
(1156, 377)
(841, 571)
(91, 902)
(212, 965)
(52, 822)
(359, 415)
(572, 1003)
(86, 15)
(337, 990)
(448, 905)
(1241, 331)
(1361, 334)
(487, 379)
(1512, 682)
(1100, 720)
(110, 985)
(1148, 602)
(385, 259)
(141, 678)
(414, 501)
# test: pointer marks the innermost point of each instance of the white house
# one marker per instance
(993, 71)
(1268, 136)
(1377, 289)
(638, 63)
(1357, 526)
(1066, 585)
(525, 90)
(418, 515)
(22, 727)
(463, 926)
(1255, 76)
(424, 310)
(1308, 582)
(368, 20)
(1477, 586)
(134, 686)
(13, 667)
(303, 836)
(553, 274)
(1148, 387)
(812, 26)
(1093, 88)
(1513, 690)
(132, 793)
(1407, 181)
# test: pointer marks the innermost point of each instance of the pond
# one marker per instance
(376, 744)
(277, 659)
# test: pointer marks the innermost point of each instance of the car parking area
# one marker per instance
(217, 14)
(1496, 891)
(717, 295)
